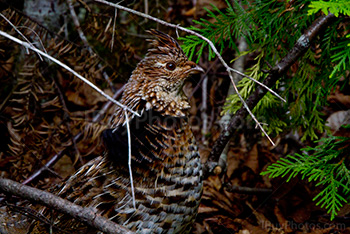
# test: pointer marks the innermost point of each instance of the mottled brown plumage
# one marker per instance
(165, 161)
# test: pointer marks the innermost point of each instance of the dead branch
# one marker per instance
(224, 121)
(203, 110)
(77, 25)
(276, 72)
(247, 190)
(85, 41)
(85, 215)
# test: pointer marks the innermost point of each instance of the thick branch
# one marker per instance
(276, 72)
(85, 215)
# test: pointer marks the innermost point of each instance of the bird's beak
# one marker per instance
(195, 70)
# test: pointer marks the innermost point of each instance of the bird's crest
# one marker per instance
(163, 43)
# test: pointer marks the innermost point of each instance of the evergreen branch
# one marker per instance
(342, 57)
(335, 7)
(281, 68)
(320, 166)
(329, 198)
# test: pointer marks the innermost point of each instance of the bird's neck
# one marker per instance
(141, 95)
(168, 102)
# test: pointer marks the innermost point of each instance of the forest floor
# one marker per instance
(35, 126)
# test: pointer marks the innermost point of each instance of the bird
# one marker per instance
(155, 141)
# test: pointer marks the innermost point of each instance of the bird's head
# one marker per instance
(156, 83)
(158, 78)
(166, 63)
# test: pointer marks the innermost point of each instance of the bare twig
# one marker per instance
(85, 41)
(129, 159)
(29, 46)
(202, 77)
(83, 38)
(247, 190)
(37, 35)
(113, 29)
(295, 53)
(51, 162)
(67, 118)
(21, 34)
(107, 105)
(77, 24)
(211, 44)
(55, 33)
(238, 65)
(33, 214)
(85, 215)
(204, 115)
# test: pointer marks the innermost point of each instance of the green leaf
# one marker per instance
(335, 7)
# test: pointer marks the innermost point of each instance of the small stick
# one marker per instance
(129, 160)
(204, 108)
(247, 190)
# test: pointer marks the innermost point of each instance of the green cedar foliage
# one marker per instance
(271, 28)
(327, 164)
(335, 7)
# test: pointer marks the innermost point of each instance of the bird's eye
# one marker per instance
(170, 66)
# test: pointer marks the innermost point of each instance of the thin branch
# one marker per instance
(37, 35)
(85, 41)
(29, 46)
(85, 215)
(107, 105)
(21, 34)
(51, 162)
(113, 29)
(55, 33)
(77, 24)
(276, 72)
(129, 159)
(202, 77)
(83, 38)
(33, 214)
(247, 190)
(66, 114)
(249, 111)
(224, 121)
(203, 109)
(211, 44)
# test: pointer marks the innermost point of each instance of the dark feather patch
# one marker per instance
(148, 134)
